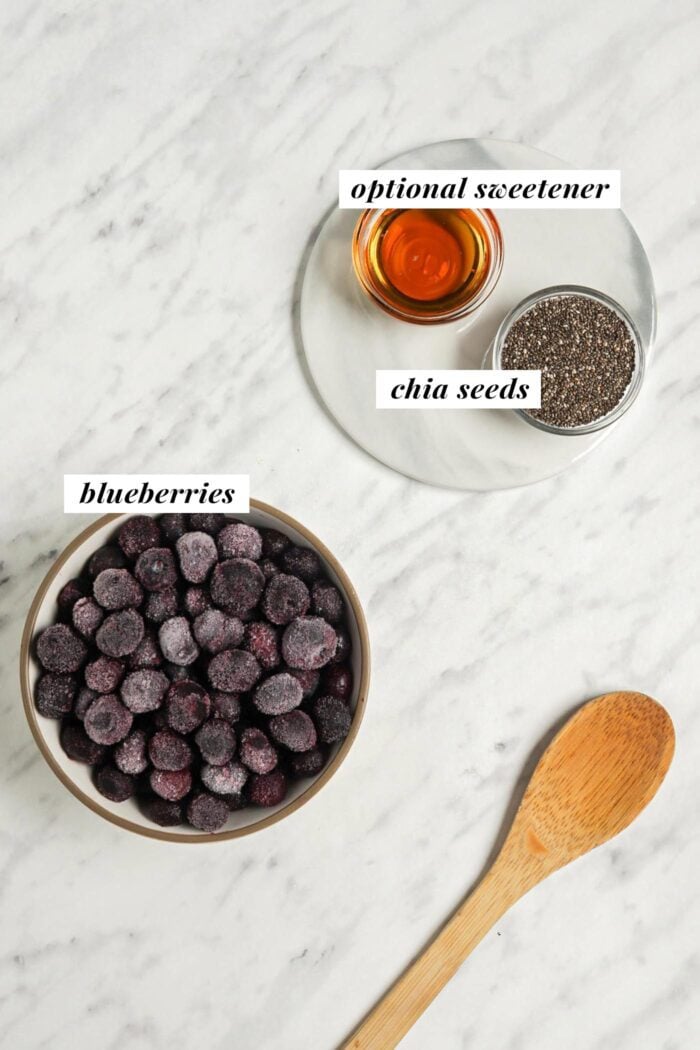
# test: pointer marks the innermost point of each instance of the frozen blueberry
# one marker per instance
(261, 639)
(137, 534)
(308, 643)
(54, 694)
(236, 585)
(239, 541)
(165, 814)
(307, 679)
(114, 784)
(196, 601)
(224, 780)
(278, 694)
(171, 784)
(267, 789)
(70, 593)
(274, 543)
(216, 741)
(155, 569)
(176, 642)
(234, 802)
(327, 601)
(168, 750)
(294, 730)
(60, 649)
(207, 813)
(176, 673)
(343, 647)
(147, 653)
(256, 751)
(285, 598)
(302, 562)
(104, 674)
(307, 763)
(210, 523)
(269, 568)
(233, 671)
(215, 631)
(226, 706)
(196, 552)
(87, 616)
(78, 745)
(120, 633)
(130, 756)
(83, 700)
(332, 718)
(157, 719)
(106, 558)
(337, 681)
(187, 705)
(107, 721)
(144, 690)
(173, 526)
(161, 605)
(117, 589)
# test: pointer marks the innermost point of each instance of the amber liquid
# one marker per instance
(428, 260)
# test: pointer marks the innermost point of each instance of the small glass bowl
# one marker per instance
(426, 312)
(559, 290)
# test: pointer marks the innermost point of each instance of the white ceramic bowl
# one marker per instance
(77, 777)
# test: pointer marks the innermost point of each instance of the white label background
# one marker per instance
(453, 378)
(176, 485)
(371, 180)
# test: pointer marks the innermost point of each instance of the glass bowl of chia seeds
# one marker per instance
(588, 349)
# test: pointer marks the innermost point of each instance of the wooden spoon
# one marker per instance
(594, 778)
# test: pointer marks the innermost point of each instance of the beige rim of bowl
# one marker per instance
(218, 836)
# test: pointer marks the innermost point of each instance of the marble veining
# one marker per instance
(162, 169)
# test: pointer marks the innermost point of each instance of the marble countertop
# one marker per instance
(162, 168)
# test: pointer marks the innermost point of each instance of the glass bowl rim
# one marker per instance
(560, 290)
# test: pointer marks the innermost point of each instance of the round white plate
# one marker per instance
(346, 337)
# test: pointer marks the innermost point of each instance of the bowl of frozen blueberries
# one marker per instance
(195, 677)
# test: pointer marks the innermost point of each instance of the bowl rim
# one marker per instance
(203, 837)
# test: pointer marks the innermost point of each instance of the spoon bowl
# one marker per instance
(597, 774)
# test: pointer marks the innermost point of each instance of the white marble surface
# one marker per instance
(162, 166)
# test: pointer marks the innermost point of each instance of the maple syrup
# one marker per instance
(427, 264)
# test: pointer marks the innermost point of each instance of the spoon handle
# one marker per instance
(387, 1023)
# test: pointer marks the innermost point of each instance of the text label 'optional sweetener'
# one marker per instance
(479, 189)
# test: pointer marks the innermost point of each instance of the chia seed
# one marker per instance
(586, 354)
